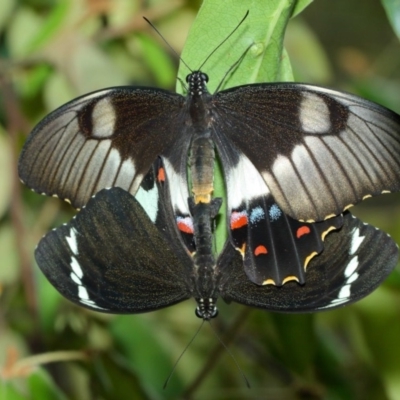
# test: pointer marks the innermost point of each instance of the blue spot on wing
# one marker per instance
(256, 215)
(274, 212)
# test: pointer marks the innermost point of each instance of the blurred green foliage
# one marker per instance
(52, 51)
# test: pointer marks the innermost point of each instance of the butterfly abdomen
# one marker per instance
(202, 168)
(203, 215)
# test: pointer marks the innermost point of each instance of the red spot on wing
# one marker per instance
(260, 250)
(185, 225)
(303, 230)
(161, 175)
(238, 219)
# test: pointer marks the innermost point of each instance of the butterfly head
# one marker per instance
(197, 81)
(206, 309)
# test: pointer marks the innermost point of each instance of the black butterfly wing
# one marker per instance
(354, 262)
(276, 248)
(103, 139)
(112, 258)
(318, 150)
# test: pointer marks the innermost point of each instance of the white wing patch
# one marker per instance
(345, 291)
(351, 268)
(350, 272)
(244, 183)
(76, 274)
(103, 119)
(356, 241)
(76, 269)
(83, 294)
(314, 114)
(126, 174)
(148, 199)
(178, 189)
(72, 241)
(108, 174)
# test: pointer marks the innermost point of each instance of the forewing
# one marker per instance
(103, 139)
(355, 261)
(318, 150)
(112, 258)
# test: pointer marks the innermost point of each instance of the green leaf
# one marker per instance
(261, 35)
(392, 8)
(117, 379)
(300, 6)
(379, 313)
(41, 386)
(297, 345)
(141, 347)
(49, 300)
(9, 392)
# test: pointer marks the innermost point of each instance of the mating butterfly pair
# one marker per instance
(290, 153)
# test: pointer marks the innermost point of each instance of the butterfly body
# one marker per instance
(204, 263)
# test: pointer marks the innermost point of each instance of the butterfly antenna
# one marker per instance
(165, 41)
(183, 352)
(182, 83)
(230, 353)
(236, 28)
(232, 67)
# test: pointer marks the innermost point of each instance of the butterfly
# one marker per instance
(294, 157)
(117, 256)
(305, 151)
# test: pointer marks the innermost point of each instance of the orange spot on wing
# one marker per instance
(238, 220)
(260, 250)
(161, 175)
(183, 227)
(303, 230)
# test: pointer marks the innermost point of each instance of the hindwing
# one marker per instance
(276, 248)
(114, 256)
(355, 261)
